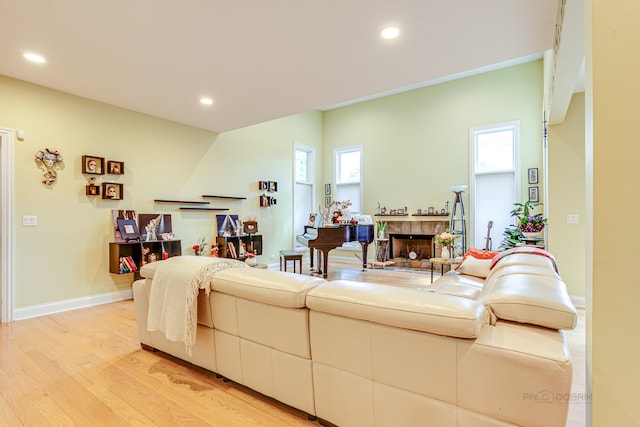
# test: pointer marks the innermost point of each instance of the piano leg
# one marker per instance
(365, 246)
(311, 258)
(325, 261)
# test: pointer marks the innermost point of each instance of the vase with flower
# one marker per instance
(446, 239)
(382, 227)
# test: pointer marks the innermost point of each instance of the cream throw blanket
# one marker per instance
(174, 294)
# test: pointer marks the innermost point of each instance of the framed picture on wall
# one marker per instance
(533, 175)
(327, 189)
(533, 194)
(112, 191)
(115, 168)
(93, 165)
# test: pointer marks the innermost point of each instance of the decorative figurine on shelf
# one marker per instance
(215, 252)
(198, 248)
(50, 159)
(145, 253)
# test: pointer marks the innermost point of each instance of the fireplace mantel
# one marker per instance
(417, 227)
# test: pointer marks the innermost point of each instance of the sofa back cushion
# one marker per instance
(536, 299)
(266, 286)
(407, 308)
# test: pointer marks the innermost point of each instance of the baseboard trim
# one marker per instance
(72, 304)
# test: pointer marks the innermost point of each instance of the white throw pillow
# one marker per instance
(475, 267)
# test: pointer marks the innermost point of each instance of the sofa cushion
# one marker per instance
(409, 308)
(472, 266)
(540, 300)
(270, 287)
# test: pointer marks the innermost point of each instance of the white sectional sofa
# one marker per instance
(466, 350)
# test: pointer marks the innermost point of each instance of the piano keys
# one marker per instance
(327, 238)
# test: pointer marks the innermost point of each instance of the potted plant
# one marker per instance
(382, 226)
(527, 224)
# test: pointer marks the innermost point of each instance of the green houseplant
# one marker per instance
(525, 222)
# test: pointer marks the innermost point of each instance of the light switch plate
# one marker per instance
(573, 219)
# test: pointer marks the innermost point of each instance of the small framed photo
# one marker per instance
(112, 191)
(115, 168)
(327, 189)
(128, 229)
(401, 211)
(533, 175)
(263, 185)
(273, 186)
(93, 165)
(265, 201)
(327, 201)
(533, 194)
(431, 210)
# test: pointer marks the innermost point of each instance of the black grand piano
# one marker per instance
(327, 238)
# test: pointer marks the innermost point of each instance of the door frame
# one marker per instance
(7, 278)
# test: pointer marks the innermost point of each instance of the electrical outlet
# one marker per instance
(29, 220)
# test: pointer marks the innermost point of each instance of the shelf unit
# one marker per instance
(404, 214)
(134, 250)
(250, 240)
(224, 197)
(182, 202)
(457, 223)
(424, 214)
(185, 208)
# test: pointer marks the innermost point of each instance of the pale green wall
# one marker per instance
(66, 256)
(416, 144)
(612, 165)
(567, 196)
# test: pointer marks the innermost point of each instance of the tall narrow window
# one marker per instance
(495, 185)
(349, 177)
(303, 202)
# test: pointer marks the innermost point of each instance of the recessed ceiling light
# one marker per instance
(390, 33)
(34, 57)
(206, 101)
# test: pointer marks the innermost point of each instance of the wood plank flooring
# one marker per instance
(86, 368)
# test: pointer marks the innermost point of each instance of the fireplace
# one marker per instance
(414, 240)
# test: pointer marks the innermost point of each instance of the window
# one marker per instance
(304, 178)
(495, 184)
(349, 177)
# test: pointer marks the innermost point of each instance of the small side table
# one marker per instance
(442, 262)
(290, 256)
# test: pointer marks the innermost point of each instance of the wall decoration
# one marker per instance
(266, 201)
(121, 214)
(273, 186)
(533, 175)
(327, 189)
(93, 165)
(153, 226)
(50, 159)
(533, 194)
(112, 191)
(263, 185)
(115, 168)
(227, 225)
(128, 229)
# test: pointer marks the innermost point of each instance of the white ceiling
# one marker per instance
(260, 59)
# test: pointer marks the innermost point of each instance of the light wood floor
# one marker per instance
(86, 368)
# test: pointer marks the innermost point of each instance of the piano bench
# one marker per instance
(290, 256)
